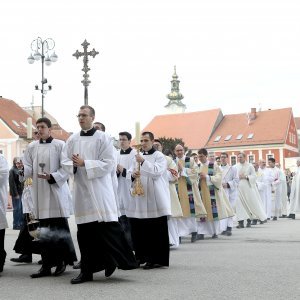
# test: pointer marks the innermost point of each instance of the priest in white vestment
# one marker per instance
(148, 212)
(284, 192)
(264, 180)
(276, 188)
(230, 181)
(189, 194)
(89, 154)
(213, 196)
(4, 171)
(125, 158)
(249, 205)
(51, 200)
(295, 193)
(176, 211)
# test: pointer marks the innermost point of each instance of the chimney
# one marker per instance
(253, 114)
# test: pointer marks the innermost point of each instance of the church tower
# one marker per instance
(175, 105)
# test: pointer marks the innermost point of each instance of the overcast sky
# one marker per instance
(232, 55)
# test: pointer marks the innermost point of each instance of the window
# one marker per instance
(217, 138)
(233, 160)
(24, 124)
(239, 137)
(250, 135)
(228, 137)
(251, 159)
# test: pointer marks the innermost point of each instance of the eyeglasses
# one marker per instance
(82, 116)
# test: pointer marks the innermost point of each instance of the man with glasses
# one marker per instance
(89, 155)
(188, 193)
(230, 181)
(148, 213)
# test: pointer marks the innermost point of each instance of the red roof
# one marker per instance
(193, 128)
(15, 118)
(269, 127)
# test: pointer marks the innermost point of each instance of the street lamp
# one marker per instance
(42, 50)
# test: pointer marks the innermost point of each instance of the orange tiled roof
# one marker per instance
(13, 116)
(269, 127)
(193, 128)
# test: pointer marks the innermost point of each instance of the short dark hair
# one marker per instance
(203, 151)
(224, 153)
(101, 125)
(127, 134)
(218, 157)
(271, 159)
(158, 141)
(44, 120)
(194, 154)
(92, 111)
(151, 135)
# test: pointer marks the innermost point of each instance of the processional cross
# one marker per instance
(85, 68)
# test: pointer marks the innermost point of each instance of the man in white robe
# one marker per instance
(176, 211)
(284, 192)
(213, 196)
(89, 154)
(248, 206)
(148, 211)
(125, 157)
(51, 200)
(4, 173)
(264, 180)
(189, 194)
(276, 187)
(295, 193)
(230, 181)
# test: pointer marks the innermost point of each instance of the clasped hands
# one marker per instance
(77, 160)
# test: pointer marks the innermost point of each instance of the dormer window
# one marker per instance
(217, 138)
(239, 137)
(250, 136)
(228, 137)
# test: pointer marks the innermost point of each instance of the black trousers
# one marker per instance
(56, 243)
(103, 245)
(151, 240)
(24, 244)
(2, 250)
(125, 224)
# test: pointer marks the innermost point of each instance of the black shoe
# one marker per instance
(214, 236)
(194, 237)
(292, 216)
(180, 240)
(2, 261)
(42, 272)
(254, 222)
(60, 269)
(82, 277)
(109, 271)
(248, 223)
(274, 219)
(24, 258)
(149, 266)
(200, 236)
(241, 225)
(77, 266)
(283, 216)
(224, 232)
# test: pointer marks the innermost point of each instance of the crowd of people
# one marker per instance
(130, 205)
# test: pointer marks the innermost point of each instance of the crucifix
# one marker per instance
(85, 68)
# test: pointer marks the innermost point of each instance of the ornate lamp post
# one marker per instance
(42, 50)
(85, 68)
